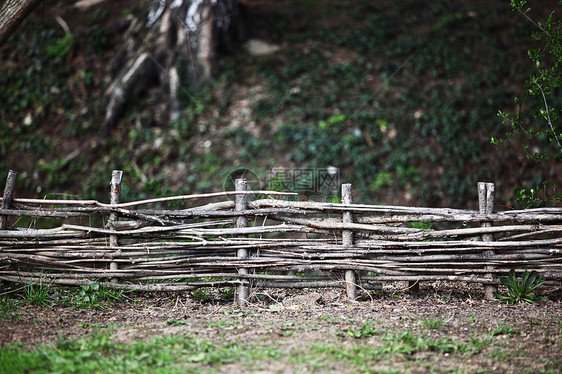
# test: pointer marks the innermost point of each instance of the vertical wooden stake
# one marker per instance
(114, 197)
(347, 241)
(8, 196)
(242, 221)
(486, 206)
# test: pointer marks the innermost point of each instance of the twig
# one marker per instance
(63, 24)
(548, 118)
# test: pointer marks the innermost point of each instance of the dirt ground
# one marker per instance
(292, 321)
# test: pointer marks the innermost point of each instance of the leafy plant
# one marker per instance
(62, 47)
(95, 296)
(539, 126)
(537, 196)
(201, 294)
(226, 294)
(521, 290)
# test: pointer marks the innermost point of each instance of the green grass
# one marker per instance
(99, 353)
(364, 331)
(37, 292)
(504, 329)
(352, 348)
(434, 323)
(399, 346)
(171, 354)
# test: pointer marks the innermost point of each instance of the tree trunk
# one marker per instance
(174, 47)
(12, 13)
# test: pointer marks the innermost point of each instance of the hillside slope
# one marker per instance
(399, 97)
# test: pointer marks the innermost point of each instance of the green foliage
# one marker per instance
(379, 137)
(539, 122)
(389, 107)
(478, 344)
(405, 343)
(62, 47)
(278, 182)
(421, 225)
(201, 294)
(100, 353)
(521, 290)
(227, 294)
(95, 296)
(409, 343)
(537, 196)
(40, 293)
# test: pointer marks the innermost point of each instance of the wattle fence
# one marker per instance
(254, 239)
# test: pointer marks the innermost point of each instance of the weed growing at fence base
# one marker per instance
(93, 296)
(37, 293)
(521, 290)
(42, 294)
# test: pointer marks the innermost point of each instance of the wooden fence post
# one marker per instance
(486, 206)
(347, 241)
(8, 196)
(114, 197)
(242, 221)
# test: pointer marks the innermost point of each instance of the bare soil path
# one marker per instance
(437, 330)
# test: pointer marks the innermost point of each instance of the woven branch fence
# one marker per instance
(265, 239)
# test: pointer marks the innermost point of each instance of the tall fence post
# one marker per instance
(347, 241)
(486, 206)
(8, 196)
(242, 221)
(114, 198)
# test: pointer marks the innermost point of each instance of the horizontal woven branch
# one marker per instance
(286, 243)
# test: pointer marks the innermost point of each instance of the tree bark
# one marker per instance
(173, 48)
(12, 13)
